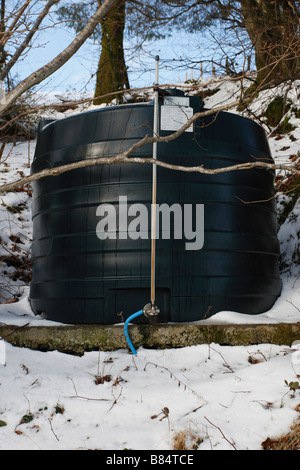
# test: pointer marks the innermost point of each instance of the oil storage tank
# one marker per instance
(89, 267)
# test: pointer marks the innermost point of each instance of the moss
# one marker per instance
(76, 340)
(285, 126)
(296, 112)
(250, 94)
(275, 110)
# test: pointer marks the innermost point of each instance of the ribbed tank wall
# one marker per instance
(78, 278)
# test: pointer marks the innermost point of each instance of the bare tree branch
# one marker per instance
(9, 30)
(71, 103)
(126, 157)
(28, 38)
(223, 435)
(44, 72)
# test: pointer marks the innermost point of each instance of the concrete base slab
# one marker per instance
(80, 338)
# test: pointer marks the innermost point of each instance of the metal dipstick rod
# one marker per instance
(150, 310)
(154, 181)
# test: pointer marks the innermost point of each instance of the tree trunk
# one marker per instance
(112, 72)
(273, 28)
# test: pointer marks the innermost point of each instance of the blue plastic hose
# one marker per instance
(137, 314)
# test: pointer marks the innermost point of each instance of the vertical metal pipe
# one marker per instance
(154, 180)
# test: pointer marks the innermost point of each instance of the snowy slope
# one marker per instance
(220, 397)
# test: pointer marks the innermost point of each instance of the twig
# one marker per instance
(2, 149)
(29, 412)
(219, 429)
(185, 387)
(225, 362)
(12, 332)
(85, 398)
(89, 399)
(116, 399)
(290, 302)
(193, 411)
(53, 429)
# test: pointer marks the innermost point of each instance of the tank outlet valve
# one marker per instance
(151, 311)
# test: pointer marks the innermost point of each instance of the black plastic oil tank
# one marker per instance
(78, 278)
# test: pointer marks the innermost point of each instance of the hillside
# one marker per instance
(208, 396)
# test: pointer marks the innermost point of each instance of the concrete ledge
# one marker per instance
(80, 338)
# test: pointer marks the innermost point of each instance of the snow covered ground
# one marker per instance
(216, 397)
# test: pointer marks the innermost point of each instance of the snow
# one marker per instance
(220, 397)
(248, 402)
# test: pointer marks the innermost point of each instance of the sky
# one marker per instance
(176, 53)
(79, 73)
